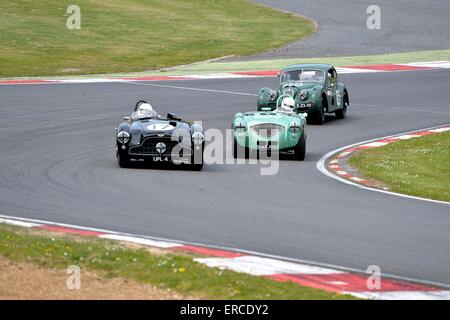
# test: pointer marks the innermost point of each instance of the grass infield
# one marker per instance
(135, 35)
(418, 166)
(162, 269)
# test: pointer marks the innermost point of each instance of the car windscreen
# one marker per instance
(302, 75)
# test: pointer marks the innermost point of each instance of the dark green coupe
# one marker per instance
(315, 89)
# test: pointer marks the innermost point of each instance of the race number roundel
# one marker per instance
(160, 127)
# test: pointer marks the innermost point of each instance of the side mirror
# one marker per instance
(127, 118)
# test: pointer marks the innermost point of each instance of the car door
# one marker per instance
(331, 87)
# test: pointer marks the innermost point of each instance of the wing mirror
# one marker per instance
(173, 116)
(127, 118)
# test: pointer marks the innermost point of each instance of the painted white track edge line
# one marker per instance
(320, 165)
(19, 223)
(188, 88)
(243, 251)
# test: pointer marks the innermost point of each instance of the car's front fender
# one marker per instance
(124, 126)
(262, 101)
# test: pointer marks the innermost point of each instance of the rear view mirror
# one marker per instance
(127, 118)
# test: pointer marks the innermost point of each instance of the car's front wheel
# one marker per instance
(123, 161)
(197, 165)
(318, 117)
(300, 148)
(240, 151)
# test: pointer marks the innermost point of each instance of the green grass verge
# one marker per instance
(418, 167)
(135, 35)
(436, 55)
(175, 271)
(218, 67)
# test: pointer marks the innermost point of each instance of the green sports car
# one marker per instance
(280, 130)
(314, 87)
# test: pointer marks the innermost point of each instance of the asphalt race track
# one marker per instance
(406, 25)
(58, 164)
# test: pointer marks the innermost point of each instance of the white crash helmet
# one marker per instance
(287, 104)
(145, 110)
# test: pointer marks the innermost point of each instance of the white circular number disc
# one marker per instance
(160, 127)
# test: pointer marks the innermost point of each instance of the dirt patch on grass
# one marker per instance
(28, 281)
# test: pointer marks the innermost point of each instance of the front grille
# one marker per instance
(148, 147)
(289, 92)
(267, 130)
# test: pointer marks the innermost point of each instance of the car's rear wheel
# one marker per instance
(341, 113)
(300, 148)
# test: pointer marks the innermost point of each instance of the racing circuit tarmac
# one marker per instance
(58, 164)
(406, 25)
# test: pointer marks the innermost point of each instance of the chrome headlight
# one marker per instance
(198, 137)
(303, 95)
(123, 137)
(240, 127)
(294, 126)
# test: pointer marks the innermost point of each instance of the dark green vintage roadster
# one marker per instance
(315, 89)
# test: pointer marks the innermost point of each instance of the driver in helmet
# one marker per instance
(144, 111)
(287, 104)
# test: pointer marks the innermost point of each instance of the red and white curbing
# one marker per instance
(242, 74)
(314, 276)
(335, 162)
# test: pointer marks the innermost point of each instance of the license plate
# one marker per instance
(161, 159)
(267, 145)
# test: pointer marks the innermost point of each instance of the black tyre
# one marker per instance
(239, 150)
(340, 114)
(123, 161)
(318, 117)
(300, 148)
(197, 166)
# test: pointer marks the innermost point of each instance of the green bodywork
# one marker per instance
(281, 130)
(320, 96)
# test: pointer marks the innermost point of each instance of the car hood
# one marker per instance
(268, 117)
(297, 86)
(150, 127)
